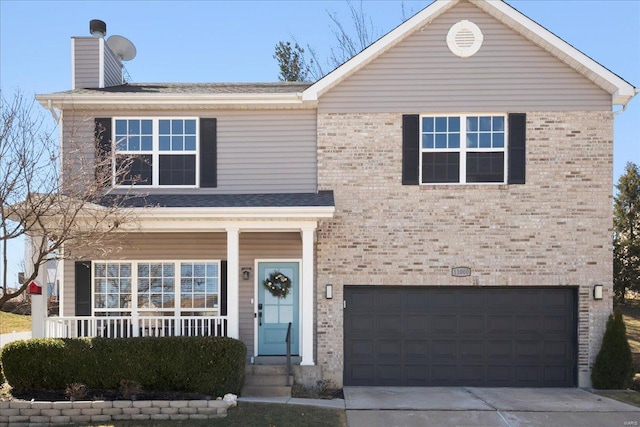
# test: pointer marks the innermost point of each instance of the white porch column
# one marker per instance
(308, 291)
(233, 268)
(38, 302)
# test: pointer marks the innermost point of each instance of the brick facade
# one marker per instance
(553, 231)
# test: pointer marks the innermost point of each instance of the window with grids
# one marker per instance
(156, 152)
(463, 149)
(112, 285)
(156, 285)
(199, 285)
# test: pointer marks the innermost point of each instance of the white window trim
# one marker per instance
(155, 151)
(463, 148)
(134, 310)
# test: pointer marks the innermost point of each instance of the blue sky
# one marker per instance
(224, 41)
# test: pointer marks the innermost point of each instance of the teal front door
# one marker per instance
(275, 313)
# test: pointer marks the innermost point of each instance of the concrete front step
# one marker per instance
(276, 360)
(263, 391)
(265, 370)
(266, 381)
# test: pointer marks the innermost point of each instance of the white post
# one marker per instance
(233, 268)
(38, 302)
(307, 289)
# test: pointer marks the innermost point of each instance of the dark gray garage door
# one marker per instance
(455, 336)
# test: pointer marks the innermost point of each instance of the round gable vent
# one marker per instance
(464, 39)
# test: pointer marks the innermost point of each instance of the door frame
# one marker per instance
(257, 283)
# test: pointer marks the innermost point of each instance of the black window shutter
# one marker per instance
(517, 148)
(223, 288)
(208, 153)
(103, 149)
(83, 288)
(410, 149)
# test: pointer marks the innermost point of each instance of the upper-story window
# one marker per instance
(156, 152)
(463, 149)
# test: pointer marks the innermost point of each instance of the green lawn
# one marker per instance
(14, 323)
(260, 415)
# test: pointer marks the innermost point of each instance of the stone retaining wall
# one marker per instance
(20, 413)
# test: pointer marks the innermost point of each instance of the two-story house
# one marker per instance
(439, 207)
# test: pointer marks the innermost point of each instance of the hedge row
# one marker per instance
(209, 365)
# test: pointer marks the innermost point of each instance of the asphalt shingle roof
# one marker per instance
(320, 199)
(198, 88)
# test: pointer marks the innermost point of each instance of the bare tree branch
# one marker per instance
(56, 203)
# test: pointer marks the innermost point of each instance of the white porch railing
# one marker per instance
(143, 326)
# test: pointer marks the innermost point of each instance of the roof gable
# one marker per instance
(620, 90)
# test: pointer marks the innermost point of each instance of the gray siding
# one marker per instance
(112, 68)
(259, 151)
(86, 62)
(509, 73)
(199, 246)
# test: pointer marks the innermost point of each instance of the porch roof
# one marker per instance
(274, 200)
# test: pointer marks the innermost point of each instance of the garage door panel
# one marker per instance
(472, 349)
(499, 324)
(443, 299)
(389, 324)
(557, 324)
(471, 324)
(388, 302)
(499, 349)
(416, 348)
(556, 299)
(361, 301)
(443, 348)
(443, 324)
(498, 301)
(363, 324)
(415, 301)
(446, 336)
(388, 349)
(471, 299)
(416, 324)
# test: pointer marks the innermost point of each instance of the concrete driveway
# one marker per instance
(471, 406)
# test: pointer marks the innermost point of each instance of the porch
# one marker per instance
(183, 272)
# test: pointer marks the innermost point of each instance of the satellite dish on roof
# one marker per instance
(122, 47)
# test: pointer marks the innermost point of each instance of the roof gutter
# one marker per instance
(63, 100)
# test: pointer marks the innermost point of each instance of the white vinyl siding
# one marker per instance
(508, 73)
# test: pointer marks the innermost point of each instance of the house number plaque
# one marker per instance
(460, 271)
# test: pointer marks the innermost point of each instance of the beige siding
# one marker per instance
(86, 63)
(112, 68)
(509, 73)
(199, 246)
(258, 151)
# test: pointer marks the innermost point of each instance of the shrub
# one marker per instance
(208, 365)
(614, 364)
(75, 391)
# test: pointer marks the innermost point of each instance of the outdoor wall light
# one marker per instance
(329, 291)
(597, 292)
(246, 273)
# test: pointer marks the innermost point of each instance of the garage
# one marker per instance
(460, 336)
